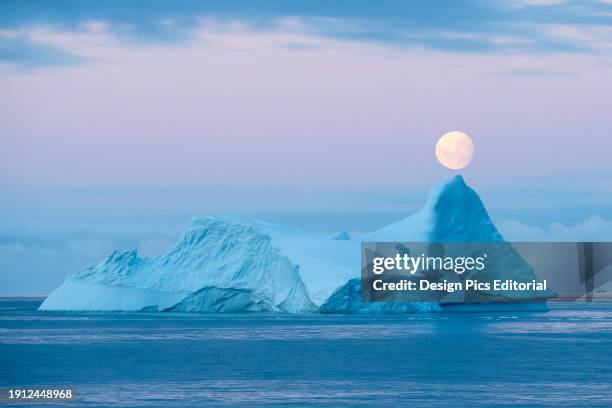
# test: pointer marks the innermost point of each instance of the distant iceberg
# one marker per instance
(229, 265)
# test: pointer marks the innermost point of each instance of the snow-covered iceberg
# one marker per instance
(216, 266)
(227, 265)
(453, 213)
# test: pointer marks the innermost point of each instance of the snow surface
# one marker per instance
(229, 265)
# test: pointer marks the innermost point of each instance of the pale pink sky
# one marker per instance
(233, 107)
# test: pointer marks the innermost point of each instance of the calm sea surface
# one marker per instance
(559, 358)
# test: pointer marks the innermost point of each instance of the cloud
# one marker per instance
(596, 37)
(530, 73)
(537, 2)
(593, 228)
(28, 54)
(465, 27)
(34, 269)
(40, 46)
(36, 257)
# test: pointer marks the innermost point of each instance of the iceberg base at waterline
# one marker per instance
(80, 295)
(347, 300)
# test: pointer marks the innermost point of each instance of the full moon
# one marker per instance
(455, 150)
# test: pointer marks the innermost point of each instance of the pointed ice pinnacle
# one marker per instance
(343, 235)
(453, 213)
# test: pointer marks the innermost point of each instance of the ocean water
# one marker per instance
(559, 358)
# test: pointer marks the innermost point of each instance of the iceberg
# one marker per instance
(453, 213)
(341, 236)
(216, 266)
(231, 265)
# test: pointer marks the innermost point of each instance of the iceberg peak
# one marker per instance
(453, 213)
(343, 235)
(454, 189)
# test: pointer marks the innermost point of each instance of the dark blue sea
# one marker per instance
(558, 358)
